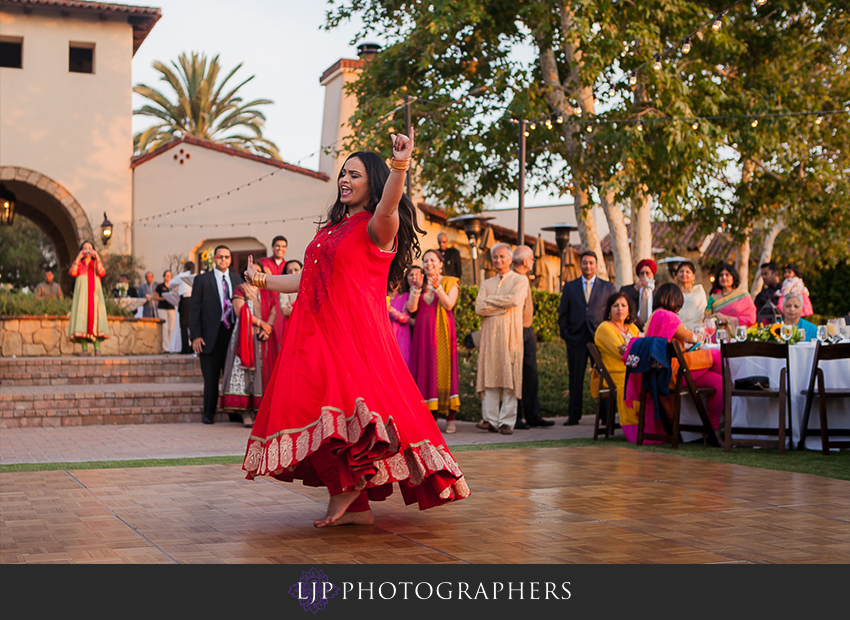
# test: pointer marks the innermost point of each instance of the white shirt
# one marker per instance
(183, 282)
(584, 283)
(218, 277)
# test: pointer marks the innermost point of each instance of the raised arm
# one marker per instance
(383, 225)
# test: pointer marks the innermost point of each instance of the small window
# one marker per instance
(12, 52)
(81, 58)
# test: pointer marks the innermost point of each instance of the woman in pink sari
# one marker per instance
(399, 299)
(731, 305)
(704, 365)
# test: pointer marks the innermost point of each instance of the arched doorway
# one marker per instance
(53, 209)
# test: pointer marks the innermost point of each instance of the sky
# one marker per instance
(277, 41)
(282, 44)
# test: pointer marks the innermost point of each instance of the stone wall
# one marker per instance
(34, 336)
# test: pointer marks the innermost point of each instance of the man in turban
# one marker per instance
(641, 292)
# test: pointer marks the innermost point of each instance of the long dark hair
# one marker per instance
(377, 173)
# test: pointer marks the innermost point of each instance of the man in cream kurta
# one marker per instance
(499, 303)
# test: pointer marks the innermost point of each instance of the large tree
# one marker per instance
(473, 67)
(200, 104)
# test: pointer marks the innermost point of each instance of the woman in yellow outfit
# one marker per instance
(611, 339)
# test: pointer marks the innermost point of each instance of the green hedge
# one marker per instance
(545, 314)
(27, 304)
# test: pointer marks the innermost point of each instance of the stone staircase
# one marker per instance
(75, 391)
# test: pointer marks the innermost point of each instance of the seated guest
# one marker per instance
(793, 283)
(641, 292)
(693, 312)
(704, 364)
(611, 338)
(731, 303)
(792, 312)
(765, 301)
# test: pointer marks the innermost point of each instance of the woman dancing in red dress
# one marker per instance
(342, 409)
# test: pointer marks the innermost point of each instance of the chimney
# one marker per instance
(367, 51)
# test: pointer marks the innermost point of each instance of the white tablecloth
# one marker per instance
(762, 412)
(130, 303)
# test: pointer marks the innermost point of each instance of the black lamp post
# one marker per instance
(562, 238)
(473, 224)
(7, 206)
(106, 230)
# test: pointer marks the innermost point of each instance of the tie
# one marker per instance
(587, 290)
(644, 305)
(227, 313)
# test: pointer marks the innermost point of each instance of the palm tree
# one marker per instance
(203, 109)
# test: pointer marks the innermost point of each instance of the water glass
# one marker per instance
(787, 331)
(845, 331)
(821, 333)
(741, 333)
(722, 335)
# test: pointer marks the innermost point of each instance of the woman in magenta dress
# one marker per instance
(342, 410)
(704, 364)
(400, 321)
(433, 351)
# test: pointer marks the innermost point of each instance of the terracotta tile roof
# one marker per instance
(141, 18)
(140, 159)
(342, 63)
(505, 235)
(673, 238)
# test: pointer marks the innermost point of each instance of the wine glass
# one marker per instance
(786, 332)
(845, 331)
(821, 333)
(831, 329)
(722, 335)
(710, 327)
(741, 333)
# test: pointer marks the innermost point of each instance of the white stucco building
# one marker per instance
(65, 116)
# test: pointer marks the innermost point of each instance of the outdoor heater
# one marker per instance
(473, 224)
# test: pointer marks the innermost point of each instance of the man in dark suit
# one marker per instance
(581, 311)
(211, 321)
(451, 257)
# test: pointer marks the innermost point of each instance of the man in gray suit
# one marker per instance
(579, 314)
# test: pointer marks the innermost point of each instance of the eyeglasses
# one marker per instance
(220, 256)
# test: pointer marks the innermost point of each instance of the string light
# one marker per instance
(687, 46)
(589, 128)
(819, 120)
(532, 127)
(717, 23)
(612, 91)
(657, 64)
(548, 124)
(695, 126)
(633, 78)
(577, 112)
(560, 119)
(761, 2)
(755, 123)
(525, 133)
(640, 126)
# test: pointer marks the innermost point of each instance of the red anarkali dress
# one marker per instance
(341, 379)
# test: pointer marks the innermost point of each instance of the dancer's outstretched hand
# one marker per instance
(250, 270)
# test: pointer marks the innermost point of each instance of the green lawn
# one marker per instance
(554, 391)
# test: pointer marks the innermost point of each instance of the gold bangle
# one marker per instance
(259, 280)
(400, 165)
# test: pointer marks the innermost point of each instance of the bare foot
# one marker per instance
(337, 506)
(355, 518)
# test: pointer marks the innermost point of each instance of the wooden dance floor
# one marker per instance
(591, 505)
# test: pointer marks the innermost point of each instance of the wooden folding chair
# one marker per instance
(684, 385)
(824, 353)
(782, 393)
(607, 392)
